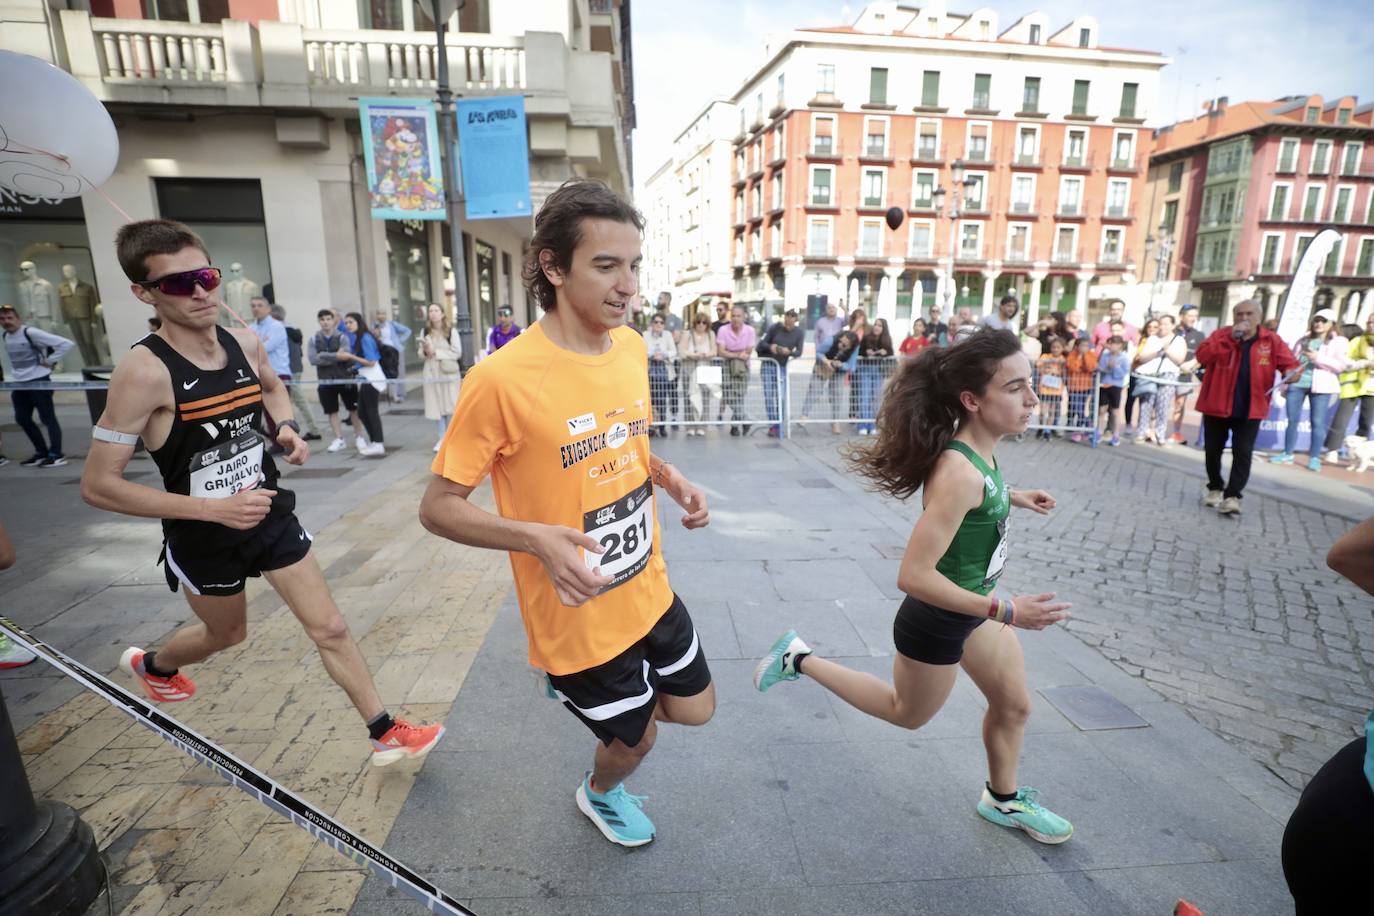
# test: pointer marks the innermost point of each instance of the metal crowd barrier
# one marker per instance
(745, 396)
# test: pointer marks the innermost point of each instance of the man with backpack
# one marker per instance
(33, 352)
(294, 339)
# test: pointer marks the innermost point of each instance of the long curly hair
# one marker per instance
(921, 410)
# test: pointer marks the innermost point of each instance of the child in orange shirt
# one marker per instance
(1050, 369)
(1082, 366)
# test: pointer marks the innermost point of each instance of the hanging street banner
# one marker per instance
(495, 156)
(401, 152)
(1297, 306)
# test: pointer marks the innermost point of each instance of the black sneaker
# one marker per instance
(33, 462)
(311, 437)
(53, 461)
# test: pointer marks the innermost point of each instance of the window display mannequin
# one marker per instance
(81, 312)
(238, 293)
(37, 298)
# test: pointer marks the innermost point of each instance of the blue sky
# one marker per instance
(686, 54)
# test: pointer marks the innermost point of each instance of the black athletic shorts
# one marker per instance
(616, 699)
(330, 395)
(277, 542)
(1111, 397)
(930, 634)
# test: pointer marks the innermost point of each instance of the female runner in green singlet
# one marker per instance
(941, 417)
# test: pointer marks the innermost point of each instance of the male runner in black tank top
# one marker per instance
(195, 393)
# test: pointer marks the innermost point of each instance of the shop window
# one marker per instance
(228, 215)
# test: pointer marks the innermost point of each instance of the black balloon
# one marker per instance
(895, 215)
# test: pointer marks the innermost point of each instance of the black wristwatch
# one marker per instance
(288, 424)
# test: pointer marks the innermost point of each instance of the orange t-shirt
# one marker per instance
(1081, 369)
(565, 439)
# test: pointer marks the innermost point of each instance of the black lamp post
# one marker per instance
(440, 11)
(49, 863)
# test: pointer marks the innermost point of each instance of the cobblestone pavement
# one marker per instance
(1236, 619)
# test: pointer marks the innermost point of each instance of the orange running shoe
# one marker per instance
(404, 741)
(1184, 908)
(172, 689)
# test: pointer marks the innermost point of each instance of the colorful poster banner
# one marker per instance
(495, 156)
(401, 152)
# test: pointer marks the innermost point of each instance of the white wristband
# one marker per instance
(102, 434)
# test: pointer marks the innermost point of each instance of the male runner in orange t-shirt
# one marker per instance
(559, 417)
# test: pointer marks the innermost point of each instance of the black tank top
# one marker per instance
(213, 448)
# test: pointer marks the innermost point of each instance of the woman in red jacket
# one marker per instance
(1239, 363)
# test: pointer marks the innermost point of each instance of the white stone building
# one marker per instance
(247, 129)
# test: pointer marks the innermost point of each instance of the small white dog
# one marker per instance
(1361, 451)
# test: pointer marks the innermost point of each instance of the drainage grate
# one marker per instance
(1092, 708)
(316, 473)
(405, 412)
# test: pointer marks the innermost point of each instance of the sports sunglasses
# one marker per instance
(185, 283)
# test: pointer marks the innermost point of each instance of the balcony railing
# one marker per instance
(1070, 210)
(281, 64)
(409, 59)
(1021, 208)
(929, 152)
(165, 51)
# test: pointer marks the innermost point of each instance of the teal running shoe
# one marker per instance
(617, 814)
(780, 662)
(1024, 813)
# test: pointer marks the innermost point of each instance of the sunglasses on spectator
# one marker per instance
(185, 283)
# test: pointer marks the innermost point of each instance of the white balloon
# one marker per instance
(56, 139)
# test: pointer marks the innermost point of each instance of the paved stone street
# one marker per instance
(1236, 619)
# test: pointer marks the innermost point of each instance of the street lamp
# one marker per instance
(440, 11)
(960, 184)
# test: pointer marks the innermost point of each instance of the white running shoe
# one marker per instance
(361, 445)
(337, 445)
(374, 450)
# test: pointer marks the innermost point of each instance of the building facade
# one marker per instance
(688, 204)
(240, 118)
(1238, 193)
(1016, 157)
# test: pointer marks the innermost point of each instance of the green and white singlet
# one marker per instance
(978, 553)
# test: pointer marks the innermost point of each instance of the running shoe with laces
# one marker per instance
(780, 662)
(337, 445)
(404, 741)
(13, 655)
(172, 689)
(53, 461)
(1024, 813)
(33, 461)
(617, 814)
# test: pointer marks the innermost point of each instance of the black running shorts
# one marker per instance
(1111, 397)
(616, 699)
(330, 395)
(930, 634)
(277, 542)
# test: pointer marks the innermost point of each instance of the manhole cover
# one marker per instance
(1092, 708)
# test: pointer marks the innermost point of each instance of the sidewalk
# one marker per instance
(176, 838)
(792, 801)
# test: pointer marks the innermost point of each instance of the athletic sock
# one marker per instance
(998, 795)
(380, 725)
(797, 661)
(152, 669)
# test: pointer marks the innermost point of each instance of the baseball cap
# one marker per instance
(6, 307)
(1326, 314)
(504, 310)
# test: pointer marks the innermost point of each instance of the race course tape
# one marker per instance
(300, 812)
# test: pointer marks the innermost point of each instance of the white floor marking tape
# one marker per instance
(297, 810)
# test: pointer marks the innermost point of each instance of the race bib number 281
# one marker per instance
(626, 529)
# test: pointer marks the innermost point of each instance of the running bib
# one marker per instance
(226, 469)
(999, 556)
(1051, 381)
(626, 529)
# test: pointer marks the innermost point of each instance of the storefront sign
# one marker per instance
(495, 156)
(401, 150)
(16, 206)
